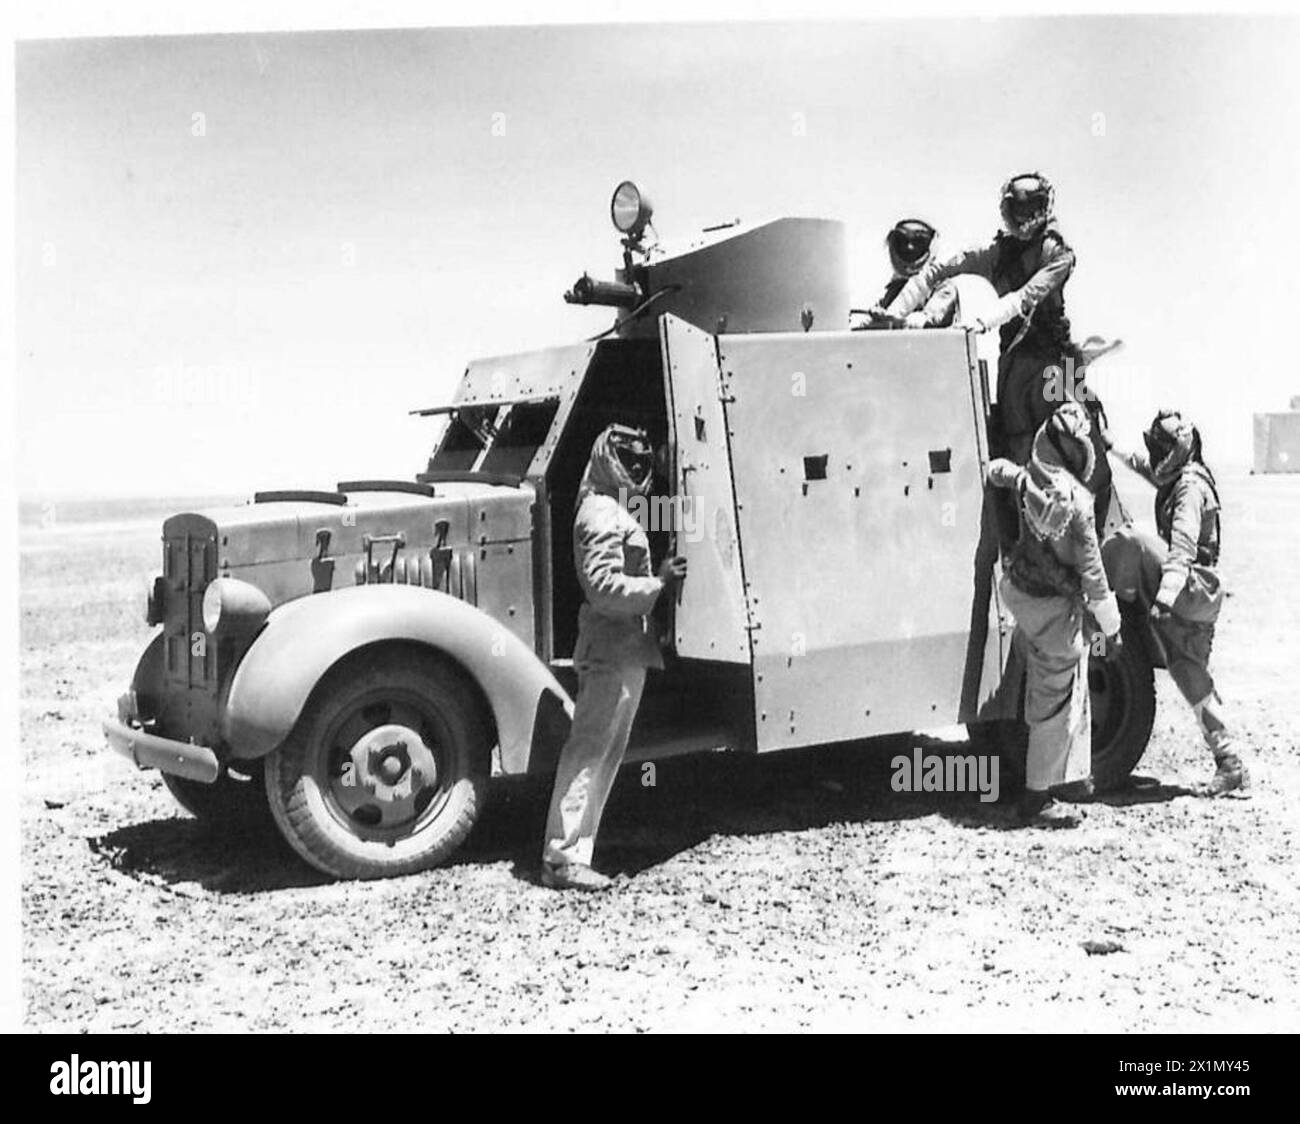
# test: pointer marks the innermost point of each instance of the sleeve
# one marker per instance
(1092, 576)
(1004, 473)
(978, 260)
(941, 309)
(1184, 537)
(598, 545)
(1053, 271)
(1139, 464)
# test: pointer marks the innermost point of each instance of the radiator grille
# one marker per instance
(189, 564)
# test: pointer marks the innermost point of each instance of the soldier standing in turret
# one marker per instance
(910, 246)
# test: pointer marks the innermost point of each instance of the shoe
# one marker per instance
(1075, 792)
(1056, 815)
(1038, 809)
(1229, 776)
(574, 876)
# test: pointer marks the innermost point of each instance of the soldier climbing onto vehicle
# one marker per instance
(1174, 577)
(615, 647)
(1028, 263)
(1054, 574)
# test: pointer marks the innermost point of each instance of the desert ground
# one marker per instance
(794, 891)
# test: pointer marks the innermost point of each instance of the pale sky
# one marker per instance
(242, 258)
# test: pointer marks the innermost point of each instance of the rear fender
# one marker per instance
(303, 639)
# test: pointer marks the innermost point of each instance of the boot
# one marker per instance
(574, 876)
(1229, 776)
(1075, 792)
(1037, 808)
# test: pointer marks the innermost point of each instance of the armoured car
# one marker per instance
(360, 660)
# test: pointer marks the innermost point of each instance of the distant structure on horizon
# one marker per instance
(1277, 440)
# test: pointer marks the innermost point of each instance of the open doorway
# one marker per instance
(624, 384)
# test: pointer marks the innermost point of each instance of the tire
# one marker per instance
(386, 770)
(1123, 711)
(236, 799)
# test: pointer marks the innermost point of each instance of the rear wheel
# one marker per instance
(386, 770)
(1123, 711)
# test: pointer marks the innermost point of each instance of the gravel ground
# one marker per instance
(783, 892)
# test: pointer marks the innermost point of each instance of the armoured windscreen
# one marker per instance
(500, 438)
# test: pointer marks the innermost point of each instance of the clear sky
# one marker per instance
(242, 258)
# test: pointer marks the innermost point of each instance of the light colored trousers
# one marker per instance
(608, 697)
(1058, 706)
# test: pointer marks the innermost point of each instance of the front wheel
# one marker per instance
(386, 770)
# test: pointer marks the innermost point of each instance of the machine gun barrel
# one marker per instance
(617, 294)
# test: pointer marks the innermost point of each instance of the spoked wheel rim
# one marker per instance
(385, 766)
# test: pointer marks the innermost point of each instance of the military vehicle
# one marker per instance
(361, 660)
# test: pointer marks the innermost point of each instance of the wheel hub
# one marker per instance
(393, 764)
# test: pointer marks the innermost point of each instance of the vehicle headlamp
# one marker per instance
(234, 608)
(629, 210)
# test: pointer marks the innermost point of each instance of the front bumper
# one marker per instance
(148, 751)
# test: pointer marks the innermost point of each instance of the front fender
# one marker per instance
(147, 682)
(304, 638)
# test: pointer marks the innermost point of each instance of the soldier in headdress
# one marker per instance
(1053, 575)
(1175, 577)
(615, 647)
(910, 245)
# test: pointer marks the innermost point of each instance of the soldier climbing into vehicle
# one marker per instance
(1028, 263)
